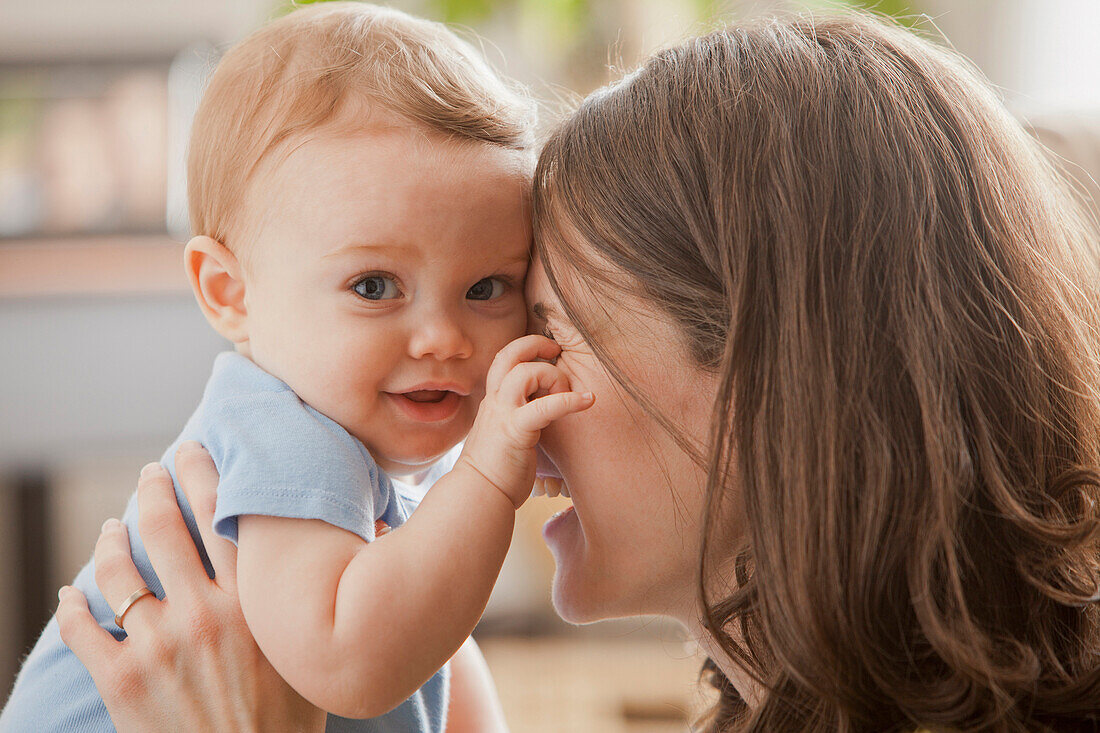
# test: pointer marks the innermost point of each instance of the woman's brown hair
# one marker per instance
(897, 292)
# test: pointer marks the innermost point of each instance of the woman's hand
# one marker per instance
(188, 661)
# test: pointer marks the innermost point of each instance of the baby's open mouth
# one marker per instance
(426, 395)
(428, 405)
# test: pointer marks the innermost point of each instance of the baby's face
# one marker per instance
(386, 272)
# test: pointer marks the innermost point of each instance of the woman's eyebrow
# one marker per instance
(543, 311)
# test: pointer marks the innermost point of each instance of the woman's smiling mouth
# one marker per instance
(548, 479)
(550, 487)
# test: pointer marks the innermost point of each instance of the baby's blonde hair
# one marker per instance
(298, 73)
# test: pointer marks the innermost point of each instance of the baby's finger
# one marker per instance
(117, 577)
(199, 482)
(91, 643)
(537, 414)
(164, 533)
(530, 378)
(525, 348)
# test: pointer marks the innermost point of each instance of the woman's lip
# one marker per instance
(556, 523)
(427, 412)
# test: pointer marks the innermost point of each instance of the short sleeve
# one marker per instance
(276, 456)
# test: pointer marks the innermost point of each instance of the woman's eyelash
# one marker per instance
(546, 332)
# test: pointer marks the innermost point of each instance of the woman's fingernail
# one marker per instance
(189, 446)
(110, 524)
(61, 592)
(149, 469)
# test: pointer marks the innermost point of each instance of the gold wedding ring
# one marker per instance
(133, 598)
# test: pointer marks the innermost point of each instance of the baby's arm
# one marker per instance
(356, 628)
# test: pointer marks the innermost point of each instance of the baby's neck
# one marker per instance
(412, 479)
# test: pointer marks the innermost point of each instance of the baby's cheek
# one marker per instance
(492, 346)
(517, 324)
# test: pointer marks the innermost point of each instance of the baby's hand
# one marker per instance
(522, 396)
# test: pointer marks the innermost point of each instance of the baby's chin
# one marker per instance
(403, 453)
(411, 464)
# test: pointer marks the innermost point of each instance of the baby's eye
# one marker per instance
(486, 289)
(377, 287)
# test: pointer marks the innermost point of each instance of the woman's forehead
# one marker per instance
(544, 305)
(541, 300)
(614, 317)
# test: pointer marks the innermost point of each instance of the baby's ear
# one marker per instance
(217, 280)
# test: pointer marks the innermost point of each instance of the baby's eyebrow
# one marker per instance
(361, 247)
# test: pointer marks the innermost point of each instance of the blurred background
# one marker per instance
(103, 353)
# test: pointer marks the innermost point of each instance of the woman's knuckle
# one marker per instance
(159, 651)
(110, 562)
(202, 626)
(123, 682)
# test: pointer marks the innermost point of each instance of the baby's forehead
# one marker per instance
(355, 155)
(383, 171)
(398, 195)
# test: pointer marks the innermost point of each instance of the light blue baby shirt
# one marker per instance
(276, 456)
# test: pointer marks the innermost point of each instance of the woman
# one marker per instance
(838, 312)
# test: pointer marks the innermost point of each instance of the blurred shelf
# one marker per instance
(54, 29)
(610, 685)
(108, 265)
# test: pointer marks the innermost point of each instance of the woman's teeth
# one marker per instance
(550, 487)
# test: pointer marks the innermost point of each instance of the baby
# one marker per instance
(359, 189)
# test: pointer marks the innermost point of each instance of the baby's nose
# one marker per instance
(440, 337)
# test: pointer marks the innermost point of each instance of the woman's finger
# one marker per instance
(199, 481)
(539, 413)
(91, 643)
(164, 533)
(525, 348)
(118, 578)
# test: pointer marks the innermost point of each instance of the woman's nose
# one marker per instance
(440, 336)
